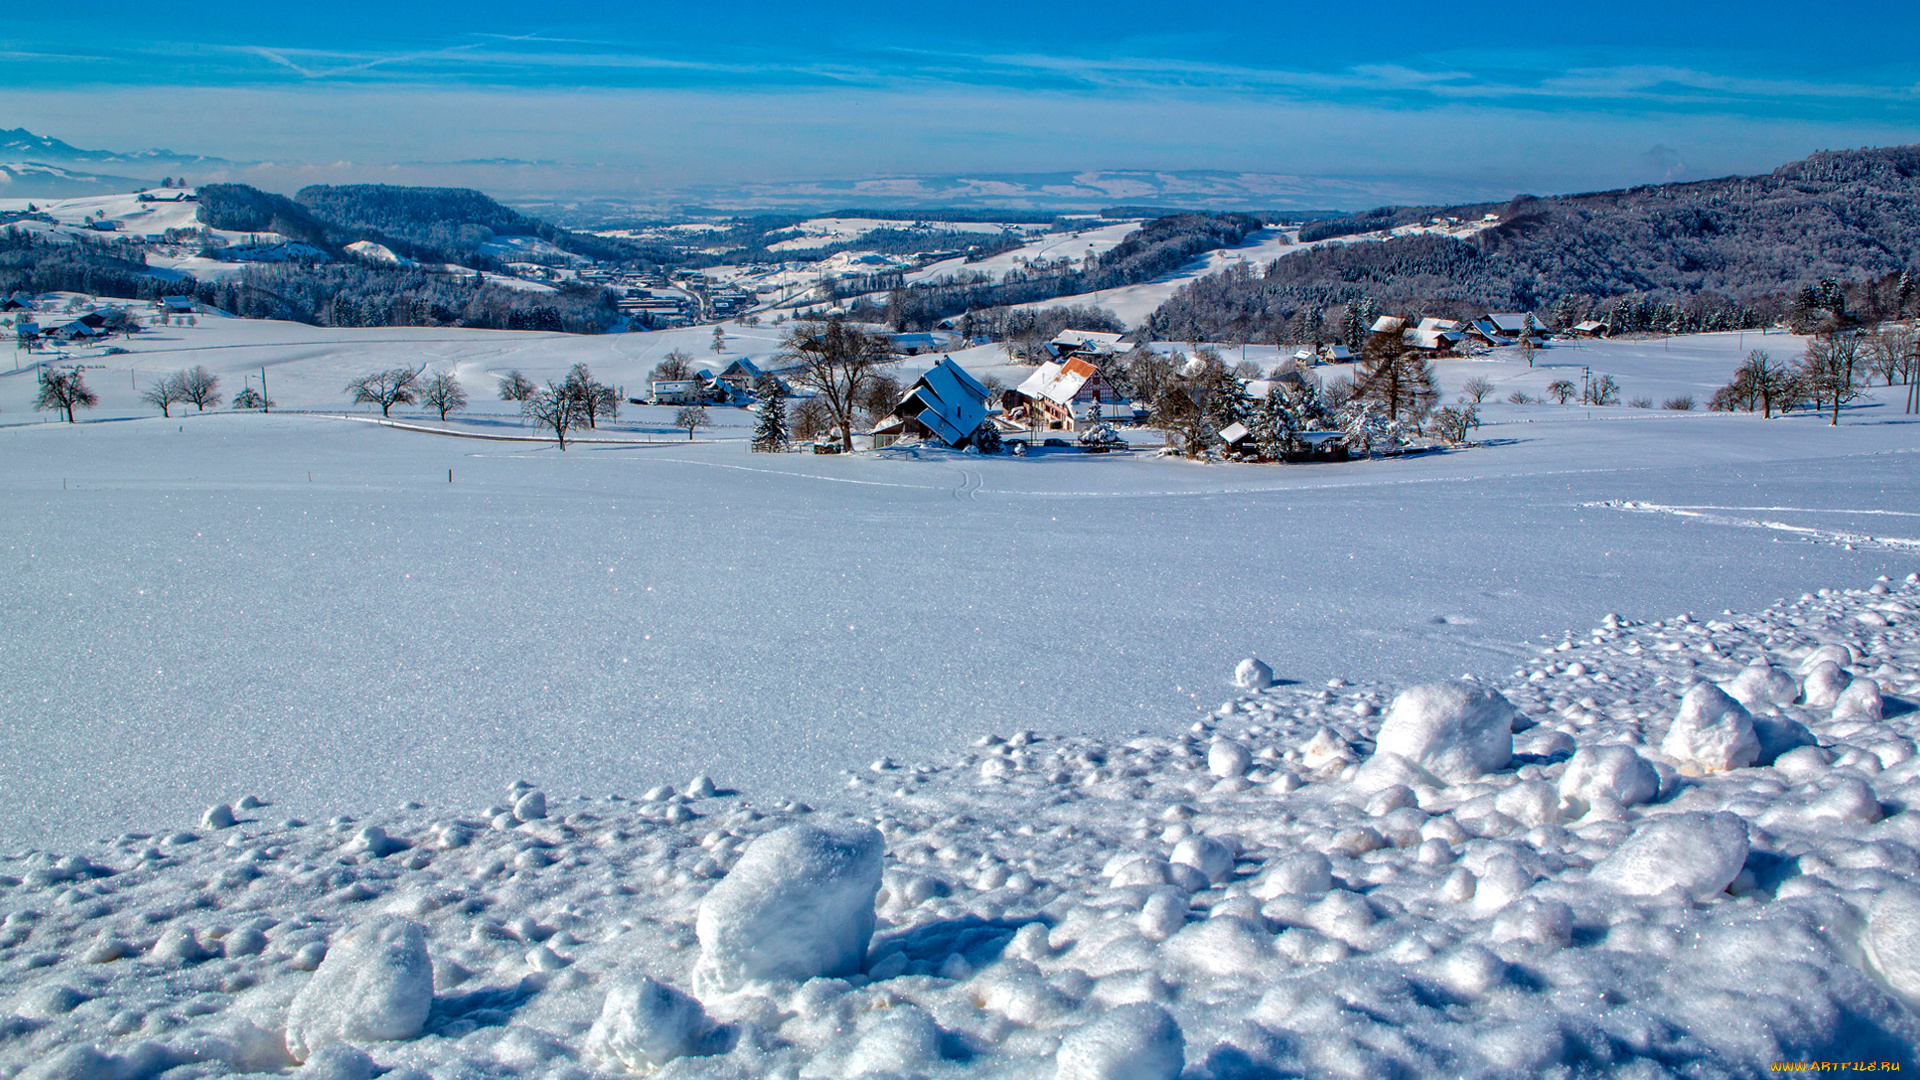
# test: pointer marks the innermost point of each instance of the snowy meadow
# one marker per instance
(482, 673)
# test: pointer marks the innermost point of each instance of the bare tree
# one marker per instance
(199, 387)
(837, 362)
(1476, 389)
(690, 417)
(676, 366)
(444, 393)
(811, 419)
(1891, 352)
(557, 409)
(164, 394)
(64, 390)
(515, 386)
(1830, 370)
(250, 400)
(394, 386)
(1561, 390)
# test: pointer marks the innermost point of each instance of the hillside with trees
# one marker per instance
(1732, 251)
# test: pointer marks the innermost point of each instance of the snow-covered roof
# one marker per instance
(1423, 337)
(1087, 340)
(742, 366)
(950, 402)
(1058, 383)
(1387, 324)
(1590, 326)
(1431, 324)
(1339, 353)
(1233, 433)
(1511, 323)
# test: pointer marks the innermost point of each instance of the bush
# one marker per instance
(1640, 403)
(1683, 403)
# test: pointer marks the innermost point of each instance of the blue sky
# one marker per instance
(1491, 96)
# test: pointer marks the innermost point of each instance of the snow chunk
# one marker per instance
(1712, 733)
(1826, 654)
(375, 984)
(1251, 674)
(1139, 1041)
(798, 904)
(1861, 700)
(1760, 684)
(1821, 688)
(1205, 854)
(1893, 940)
(218, 816)
(1228, 759)
(1306, 873)
(905, 1043)
(1613, 771)
(1457, 731)
(1700, 853)
(644, 1024)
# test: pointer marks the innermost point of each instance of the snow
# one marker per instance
(1712, 733)
(375, 985)
(1697, 853)
(645, 1024)
(799, 905)
(470, 711)
(1136, 1041)
(1456, 731)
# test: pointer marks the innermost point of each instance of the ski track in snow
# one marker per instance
(1829, 536)
(1270, 892)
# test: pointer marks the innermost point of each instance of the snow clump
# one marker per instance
(1698, 853)
(798, 905)
(1712, 733)
(1458, 731)
(1252, 674)
(644, 1024)
(1140, 1041)
(375, 985)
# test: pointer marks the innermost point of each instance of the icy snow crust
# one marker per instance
(1075, 907)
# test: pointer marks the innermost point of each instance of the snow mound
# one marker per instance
(1611, 772)
(1139, 1041)
(798, 905)
(644, 1024)
(1698, 853)
(1711, 733)
(375, 985)
(1252, 674)
(1760, 684)
(1458, 731)
(1893, 940)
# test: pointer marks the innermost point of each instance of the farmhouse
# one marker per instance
(1059, 395)
(679, 392)
(945, 405)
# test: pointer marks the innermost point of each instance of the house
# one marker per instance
(1387, 324)
(739, 377)
(77, 330)
(1058, 395)
(104, 225)
(1433, 335)
(945, 405)
(167, 195)
(27, 332)
(1505, 329)
(918, 344)
(1083, 343)
(1336, 354)
(1590, 328)
(178, 305)
(16, 303)
(1233, 436)
(680, 392)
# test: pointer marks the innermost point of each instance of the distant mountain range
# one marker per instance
(586, 195)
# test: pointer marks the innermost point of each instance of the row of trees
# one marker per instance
(1834, 370)
(573, 403)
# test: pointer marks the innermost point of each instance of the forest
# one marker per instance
(1699, 255)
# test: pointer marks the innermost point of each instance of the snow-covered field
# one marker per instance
(303, 609)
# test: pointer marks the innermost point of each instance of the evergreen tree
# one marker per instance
(770, 429)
